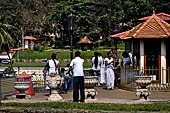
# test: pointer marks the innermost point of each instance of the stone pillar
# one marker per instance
(163, 61)
(142, 54)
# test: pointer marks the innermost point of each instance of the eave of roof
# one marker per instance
(163, 16)
(29, 38)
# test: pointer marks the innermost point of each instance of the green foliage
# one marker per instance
(93, 18)
(39, 48)
(156, 107)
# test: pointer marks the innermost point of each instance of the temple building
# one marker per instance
(150, 42)
(85, 44)
(29, 42)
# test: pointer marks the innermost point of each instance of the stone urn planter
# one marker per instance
(142, 82)
(89, 84)
(54, 83)
(22, 87)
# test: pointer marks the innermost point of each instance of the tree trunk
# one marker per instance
(11, 66)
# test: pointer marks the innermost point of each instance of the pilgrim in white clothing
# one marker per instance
(109, 70)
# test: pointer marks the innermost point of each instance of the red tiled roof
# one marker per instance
(154, 27)
(29, 38)
(4, 53)
(18, 49)
(163, 16)
(85, 40)
(118, 34)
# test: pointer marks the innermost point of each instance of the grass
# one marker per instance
(61, 54)
(159, 107)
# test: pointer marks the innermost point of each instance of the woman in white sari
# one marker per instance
(102, 72)
(109, 70)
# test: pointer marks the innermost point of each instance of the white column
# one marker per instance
(141, 54)
(26, 43)
(163, 61)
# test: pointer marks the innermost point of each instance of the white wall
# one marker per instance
(5, 56)
(26, 43)
(163, 60)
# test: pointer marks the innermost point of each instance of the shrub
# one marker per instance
(39, 48)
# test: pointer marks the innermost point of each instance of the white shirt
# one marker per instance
(102, 61)
(77, 64)
(98, 65)
(53, 68)
(108, 61)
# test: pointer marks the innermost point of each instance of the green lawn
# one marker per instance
(61, 54)
(156, 107)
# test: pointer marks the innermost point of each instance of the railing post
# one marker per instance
(168, 76)
(1, 74)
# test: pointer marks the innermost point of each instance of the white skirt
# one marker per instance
(110, 78)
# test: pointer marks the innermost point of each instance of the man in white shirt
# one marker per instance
(78, 77)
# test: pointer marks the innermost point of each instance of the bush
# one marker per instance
(39, 48)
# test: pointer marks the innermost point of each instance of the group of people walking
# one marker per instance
(107, 69)
(103, 68)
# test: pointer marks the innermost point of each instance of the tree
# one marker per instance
(6, 41)
(93, 18)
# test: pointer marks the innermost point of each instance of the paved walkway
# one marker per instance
(104, 96)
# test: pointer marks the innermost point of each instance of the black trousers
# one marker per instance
(78, 84)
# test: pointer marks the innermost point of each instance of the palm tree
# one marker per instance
(6, 41)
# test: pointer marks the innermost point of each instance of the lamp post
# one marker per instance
(22, 30)
(71, 28)
(116, 39)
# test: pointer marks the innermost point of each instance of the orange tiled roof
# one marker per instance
(163, 16)
(29, 38)
(118, 34)
(154, 27)
(85, 40)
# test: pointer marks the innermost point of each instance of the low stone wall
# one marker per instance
(30, 110)
(42, 60)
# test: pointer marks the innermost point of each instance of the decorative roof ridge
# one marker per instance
(165, 14)
(144, 24)
(160, 21)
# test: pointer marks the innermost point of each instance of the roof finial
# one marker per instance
(153, 11)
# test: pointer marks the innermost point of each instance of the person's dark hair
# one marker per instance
(77, 53)
(108, 52)
(100, 54)
(62, 70)
(53, 56)
(96, 59)
(125, 54)
(68, 65)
